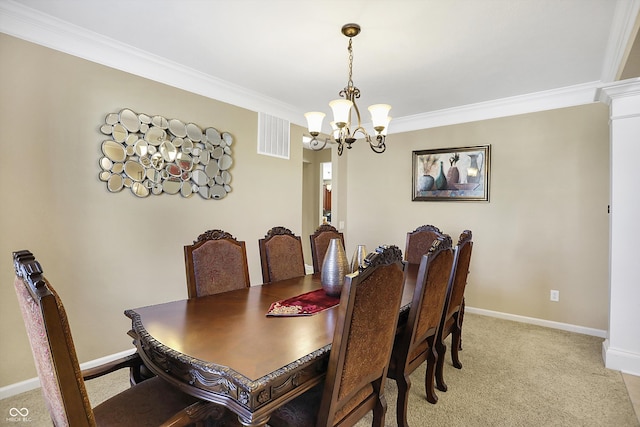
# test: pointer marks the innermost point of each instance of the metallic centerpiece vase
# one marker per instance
(334, 267)
(358, 258)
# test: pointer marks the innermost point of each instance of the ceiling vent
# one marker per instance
(273, 136)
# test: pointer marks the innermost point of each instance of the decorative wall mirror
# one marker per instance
(154, 155)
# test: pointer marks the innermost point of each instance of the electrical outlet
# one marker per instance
(555, 295)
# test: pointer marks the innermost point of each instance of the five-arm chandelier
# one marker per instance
(343, 109)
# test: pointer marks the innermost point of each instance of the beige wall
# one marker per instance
(545, 227)
(107, 252)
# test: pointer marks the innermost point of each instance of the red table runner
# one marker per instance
(303, 305)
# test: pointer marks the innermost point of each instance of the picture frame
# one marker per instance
(451, 174)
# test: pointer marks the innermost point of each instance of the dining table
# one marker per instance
(224, 349)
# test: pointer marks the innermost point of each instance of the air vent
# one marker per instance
(273, 136)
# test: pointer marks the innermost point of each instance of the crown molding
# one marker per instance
(540, 101)
(623, 88)
(623, 26)
(28, 24)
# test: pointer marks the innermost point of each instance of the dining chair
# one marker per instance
(419, 241)
(366, 319)
(320, 242)
(451, 322)
(281, 255)
(415, 343)
(215, 263)
(152, 402)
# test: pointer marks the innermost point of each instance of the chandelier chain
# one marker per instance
(350, 49)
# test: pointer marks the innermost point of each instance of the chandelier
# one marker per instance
(344, 109)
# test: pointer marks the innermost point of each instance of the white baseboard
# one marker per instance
(540, 322)
(620, 360)
(30, 384)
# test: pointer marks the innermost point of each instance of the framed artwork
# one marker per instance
(451, 174)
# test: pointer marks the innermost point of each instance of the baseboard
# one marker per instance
(32, 383)
(540, 322)
(620, 360)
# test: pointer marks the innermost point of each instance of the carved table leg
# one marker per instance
(260, 422)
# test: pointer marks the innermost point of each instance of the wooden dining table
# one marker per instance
(224, 349)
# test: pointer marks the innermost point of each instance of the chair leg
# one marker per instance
(441, 353)
(379, 411)
(456, 345)
(432, 359)
(404, 384)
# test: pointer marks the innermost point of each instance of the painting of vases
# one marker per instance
(451, 174)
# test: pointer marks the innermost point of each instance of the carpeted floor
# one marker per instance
(513, 374)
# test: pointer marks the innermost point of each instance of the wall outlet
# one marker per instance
(554, 295)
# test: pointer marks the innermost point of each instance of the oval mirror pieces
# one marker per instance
(130, 120)
(119, 132)
(184, 161)
(171, 185)
(114, 151)
(194, 132)
(155, 136)
(226, 136)
(199, 177)
(177, 128)
(153, 155)
(114, 184)
(139, 189)
(218, 192)
(106, 164)
(225, 162)
(134, 170)
(211, 169)
(168, 151)
(186, 190)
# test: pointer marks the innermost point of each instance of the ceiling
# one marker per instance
(289, 56)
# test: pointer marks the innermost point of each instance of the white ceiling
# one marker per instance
(286, 57)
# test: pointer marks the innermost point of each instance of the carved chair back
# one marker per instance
(416, 343)
(419, 241)
(215, 263)
(51, 343)
(367, 318)
(320, 242)
(281, 255)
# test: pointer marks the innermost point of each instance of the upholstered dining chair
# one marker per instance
(419, 241)
(367, 318)
(451, 323)
(320, 242)
(216, 262)
(415, 344)
(152, 402)
(281, 255)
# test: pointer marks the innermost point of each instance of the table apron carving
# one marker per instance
(250, 399)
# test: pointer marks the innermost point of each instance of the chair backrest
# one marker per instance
(281, 255)
(428, 303)
(419, 241)
(367, 318)
(53, 351)
(320, 242)
(215, 263)
(463, 259)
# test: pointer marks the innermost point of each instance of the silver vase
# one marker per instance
(334, 267)
(358, 258)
